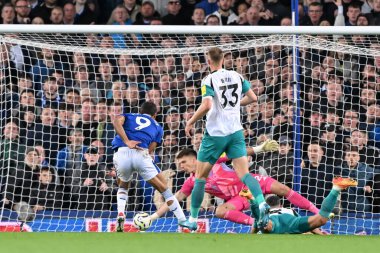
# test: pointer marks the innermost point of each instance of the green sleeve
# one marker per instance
(254, 209)
(246, 86)
(207, 91)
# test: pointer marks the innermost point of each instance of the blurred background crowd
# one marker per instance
(58, 106)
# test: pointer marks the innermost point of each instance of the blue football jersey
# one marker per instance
(139, 127)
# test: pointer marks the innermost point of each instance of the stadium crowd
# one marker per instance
(58, 107)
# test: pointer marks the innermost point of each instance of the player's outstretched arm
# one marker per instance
(164, 208)
(205, 106)
(249, 98)
(118, 126)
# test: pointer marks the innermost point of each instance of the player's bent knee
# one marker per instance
(220, 212)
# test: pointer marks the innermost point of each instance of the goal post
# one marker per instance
(61, 86)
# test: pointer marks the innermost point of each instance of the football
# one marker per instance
(141, 221)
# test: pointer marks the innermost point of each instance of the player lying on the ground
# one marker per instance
(286, 223)
(276, 208)
(225, 184)
(137, 137)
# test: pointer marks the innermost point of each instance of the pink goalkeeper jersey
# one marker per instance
(224, 183)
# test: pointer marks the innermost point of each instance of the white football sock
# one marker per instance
(174, 207)
(122, 198)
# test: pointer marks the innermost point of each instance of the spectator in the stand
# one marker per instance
(42, 152)
(165, 85)
(120, 17)
(198, 17)
(45, 65)
(56, 16)
(209, 6)
(197, 139)
(133, 76)
(372, 125)
(72, 97)
(37, 21)
(271, 74)
(59, 76)
(279, 165)
(8, 14)
(258, 87)
(85, 121)
(94, 193)
(313, 125)
(315, 12)
(177, 15)
(84, 15)
(212, 20)
(173, 125)
(47, 133)
(374, 16)
(334, 93)
(147, 14)
(281, 126)
(65, 122)
(353, 11)
(23, 9)
(316, 175)
(362, 20)
(46, 195)
(118, 92)
(264, 15)
(114, 109)
(101, 118)
(331, 146)
(332, 118)
(79, 59)
(350, 123)
(49, 96)
(367, 98)
(225, 13)
(190, 97)
(27, 118)
(105, 78)
(368, 154)
(23, 179)
(132, 8)
(286, 21)
(70, 157)
(27, 99)
(44, 10)
(132, 99)
(264, 125)
(13, 147)
(122, 63)
(69, 13)
(82, 81)
(168, 152)
(357, 199)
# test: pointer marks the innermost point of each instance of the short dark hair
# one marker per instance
(212, 16)
(350, 148)
(27, 91)
(186, 152)
(148, 108)
(273, 201)
(65, 107)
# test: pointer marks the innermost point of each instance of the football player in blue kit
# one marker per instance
(137, 136)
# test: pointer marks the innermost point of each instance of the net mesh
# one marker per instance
(60, 93)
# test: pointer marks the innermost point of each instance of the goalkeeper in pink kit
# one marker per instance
(225, 184)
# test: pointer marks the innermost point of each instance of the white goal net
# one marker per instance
(318, 97)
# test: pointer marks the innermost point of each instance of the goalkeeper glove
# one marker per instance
(268, 145)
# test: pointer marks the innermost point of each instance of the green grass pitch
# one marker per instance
(183, 243)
